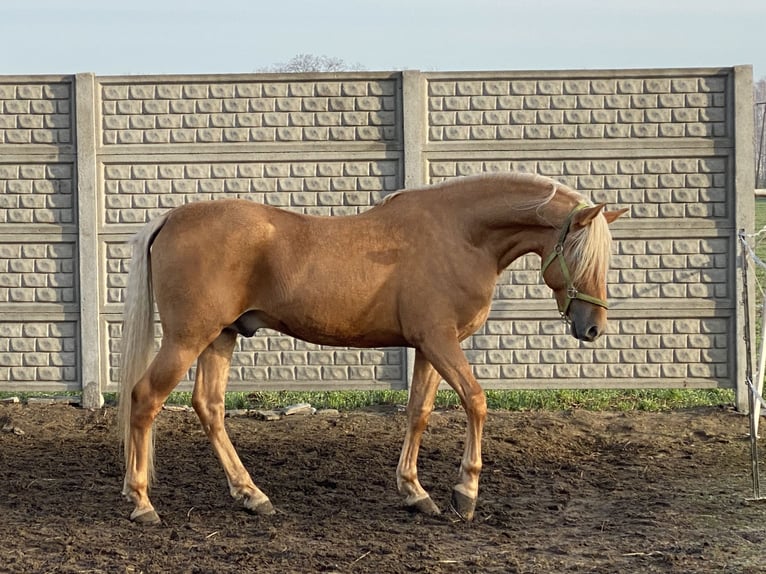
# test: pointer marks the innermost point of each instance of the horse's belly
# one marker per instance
(338, 329)
(366, 339)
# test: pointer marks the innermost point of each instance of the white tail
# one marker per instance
(137, 329)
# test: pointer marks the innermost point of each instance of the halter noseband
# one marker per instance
(558, 253)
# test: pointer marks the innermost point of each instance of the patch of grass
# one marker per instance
(760, 223)
(73, 396)
(609, 399)
(760, 272)
(760, 247)
(516, 400)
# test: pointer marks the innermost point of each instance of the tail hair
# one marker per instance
(137, 331)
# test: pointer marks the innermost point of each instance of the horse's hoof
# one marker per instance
(462, 505)
(145, 517)
(263, 508)
(425, 506)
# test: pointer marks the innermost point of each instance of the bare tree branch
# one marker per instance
(760, 132)
(311, 63)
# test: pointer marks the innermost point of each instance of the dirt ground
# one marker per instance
(561, 492)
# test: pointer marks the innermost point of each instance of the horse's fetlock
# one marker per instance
(406, 477)
(134, 488)
(237, 494)
(470, 470)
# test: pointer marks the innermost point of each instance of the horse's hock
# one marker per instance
(89, 159)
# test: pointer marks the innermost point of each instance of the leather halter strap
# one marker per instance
(558, 253)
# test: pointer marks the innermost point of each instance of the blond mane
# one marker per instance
(590, 248)
(547, 186)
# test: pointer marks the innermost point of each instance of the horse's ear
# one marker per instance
(612, 215)
(584, 216)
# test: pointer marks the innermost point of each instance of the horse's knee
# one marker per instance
(420, 411)
(198, 404)
(209, 414)
(418, 419)
(476, 404)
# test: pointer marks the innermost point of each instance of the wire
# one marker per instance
(751, 252)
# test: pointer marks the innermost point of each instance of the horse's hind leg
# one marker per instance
(208, 401)
(147, 398)
(425, 381)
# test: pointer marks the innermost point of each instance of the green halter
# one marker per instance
(558, 253)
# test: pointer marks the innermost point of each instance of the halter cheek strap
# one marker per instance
(558, 253)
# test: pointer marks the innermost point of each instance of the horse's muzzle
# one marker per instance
(588, 333)
(587, 321)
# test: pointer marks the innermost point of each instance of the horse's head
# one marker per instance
(575, 265)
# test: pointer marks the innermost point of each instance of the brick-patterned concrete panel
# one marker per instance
(37, 272)
(39, 354)
(35, 113)
(37, 193)
(522, 281)
(274, 360)
(667, 188)
(534, 352)
(116, 264)
(689, 268)
(578, 108)
(136, 193)
(300, 111)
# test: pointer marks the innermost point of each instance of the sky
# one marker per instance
(120, 37)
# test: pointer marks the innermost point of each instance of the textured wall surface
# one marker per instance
(35, 112)
(668, 144)
(39, 298)
(603, 108)
(261, 112)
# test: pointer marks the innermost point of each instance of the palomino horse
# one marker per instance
(417, 270)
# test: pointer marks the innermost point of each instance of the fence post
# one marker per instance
(87, 240)
(414, 122)
(414, 109)
(744, 206)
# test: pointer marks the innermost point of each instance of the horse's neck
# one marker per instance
(508, 224)
(507, 218)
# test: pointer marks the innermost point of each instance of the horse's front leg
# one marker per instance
(425, 381)
(447, 357)
(208, 401)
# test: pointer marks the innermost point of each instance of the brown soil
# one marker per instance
(561, 492)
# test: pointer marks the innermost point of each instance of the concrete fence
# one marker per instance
(87, 160)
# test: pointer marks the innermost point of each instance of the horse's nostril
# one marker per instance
(592, 333)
